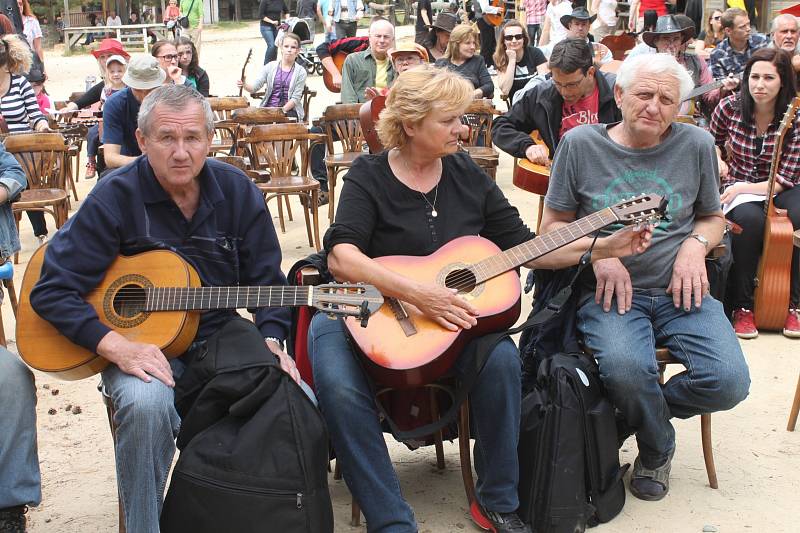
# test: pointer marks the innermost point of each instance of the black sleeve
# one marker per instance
(504, 226)
(485, 82)
(355, 224)
(323, 50)
(536, 55)
(262, 10)
(702, 35)
(202, 82)
(511, 131)
(92, 96)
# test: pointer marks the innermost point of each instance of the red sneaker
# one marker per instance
(744, 324)
(791, 328)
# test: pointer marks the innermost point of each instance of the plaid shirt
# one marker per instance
(534, 11)
(744, 164)
(725, 60)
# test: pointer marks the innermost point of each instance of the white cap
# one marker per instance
(116, 59)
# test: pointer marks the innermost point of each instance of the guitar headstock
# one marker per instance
(347, 299)
(788, 118)
(643, 208)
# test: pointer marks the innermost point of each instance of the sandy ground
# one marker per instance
(755, 456)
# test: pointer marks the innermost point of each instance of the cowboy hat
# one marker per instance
(666, 25)
(445, 22)
(579, 13)
(111, 46)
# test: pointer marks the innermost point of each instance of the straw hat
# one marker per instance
(409, 46)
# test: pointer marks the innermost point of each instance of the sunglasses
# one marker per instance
(513, 37)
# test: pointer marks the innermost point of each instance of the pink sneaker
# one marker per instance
(791, 328)
(744, 324)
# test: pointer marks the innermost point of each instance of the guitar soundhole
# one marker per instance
(129, 301)
(461, 279)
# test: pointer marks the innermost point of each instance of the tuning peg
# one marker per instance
(363, 313)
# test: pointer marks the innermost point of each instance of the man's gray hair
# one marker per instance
(660, 64)
(785, 17)
(176, 98)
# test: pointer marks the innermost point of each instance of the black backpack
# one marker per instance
(254, 448)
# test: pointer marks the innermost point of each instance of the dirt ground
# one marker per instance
(755, 456)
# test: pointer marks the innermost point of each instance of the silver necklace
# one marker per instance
(434, 213)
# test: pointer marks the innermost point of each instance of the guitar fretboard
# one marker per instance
(541, 245)
(205, 298)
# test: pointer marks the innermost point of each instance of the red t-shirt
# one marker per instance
(584, 111)
(659, 5)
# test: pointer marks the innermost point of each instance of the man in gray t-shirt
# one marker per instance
(660, 297)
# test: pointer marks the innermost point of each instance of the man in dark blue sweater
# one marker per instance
(171, 198)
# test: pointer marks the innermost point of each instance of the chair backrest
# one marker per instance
(235, 160)
(258, 116)
(274, 148)
(308, 94)
(223, 106)
(479, 116)
(341, 121)
(42, 157)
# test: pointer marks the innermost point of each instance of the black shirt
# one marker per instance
(272, 9)
(474, 70)
(526, 69)
(426, 5)
(307, 9)
(382, 216)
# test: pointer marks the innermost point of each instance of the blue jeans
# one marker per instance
(716, 376)
(348, 405)
(147, 424)
(269, 33)
(20, 482)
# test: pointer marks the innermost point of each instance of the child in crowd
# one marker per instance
(37, 78)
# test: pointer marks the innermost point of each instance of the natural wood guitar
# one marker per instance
(529, 176)
(495, 19)
(327, 78)
(155, 297)
(403, 348)
(774, 275)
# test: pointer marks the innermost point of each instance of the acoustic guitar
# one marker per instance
(155, 297)
(529, 176)
(368, 116)
(495, 19)
(708, 87)
(774, 275)
(338, 60)
(402, 348)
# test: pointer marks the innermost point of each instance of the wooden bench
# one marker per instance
(124, 34)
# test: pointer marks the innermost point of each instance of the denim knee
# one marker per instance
(732, 386)
(148, 406)
(16, 379)
(626, 374)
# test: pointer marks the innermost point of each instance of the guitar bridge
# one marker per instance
(402, 317)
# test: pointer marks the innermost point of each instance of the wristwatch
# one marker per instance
(699, 238)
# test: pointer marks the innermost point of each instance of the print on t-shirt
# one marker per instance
(584, 111)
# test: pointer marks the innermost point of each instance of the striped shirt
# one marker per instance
(748, 162)
(19, 106)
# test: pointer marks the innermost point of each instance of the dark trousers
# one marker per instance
(534, 32)
(37, 222)
(317, 161)
(488, 42)
(345, 29)
(92, 141)
(746, 248)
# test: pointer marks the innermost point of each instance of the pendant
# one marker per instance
(434, 213)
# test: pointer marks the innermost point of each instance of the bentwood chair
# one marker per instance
(479, 116)
(273, 150)
(341, 122)
(308, 94)
(224, 128)
(43, 157)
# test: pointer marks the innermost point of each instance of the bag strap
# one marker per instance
(189, 11)
(482, 348)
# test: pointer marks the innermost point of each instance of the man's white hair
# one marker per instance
(664, 65)
(785, 17)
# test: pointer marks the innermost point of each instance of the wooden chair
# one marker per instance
(74, 135)
(308, 94)
(796, 403)
(224, 128)
(479, 117)
(273, 148)
(619, 44)
(235, 160)
(43, 157)
(341, 122)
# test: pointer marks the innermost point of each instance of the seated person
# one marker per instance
(328, 49)
(671, 37)
(208, 212)
(785, 32)
(120, 113)
(283, 80)
(370, 67)
(658, 298)
(576, 94)
(189, 62)
(461, 57)
(390, 205)
(712, 35)
(731, 55)
(167, 54)
(404, 55)
(439, 35)
(515, 59)
(172, 14)
(745, 127)
(20, 482)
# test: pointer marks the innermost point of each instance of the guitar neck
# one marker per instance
(708, 87)
(207, 298)
(541, 245)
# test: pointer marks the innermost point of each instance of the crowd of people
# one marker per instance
(608, 130)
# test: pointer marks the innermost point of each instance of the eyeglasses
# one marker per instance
(570, 85)
(513, 37)
(169, 57)
(410, 58)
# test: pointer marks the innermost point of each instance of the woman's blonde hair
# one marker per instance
(15, 54)
(417, 92)
(460, 34)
